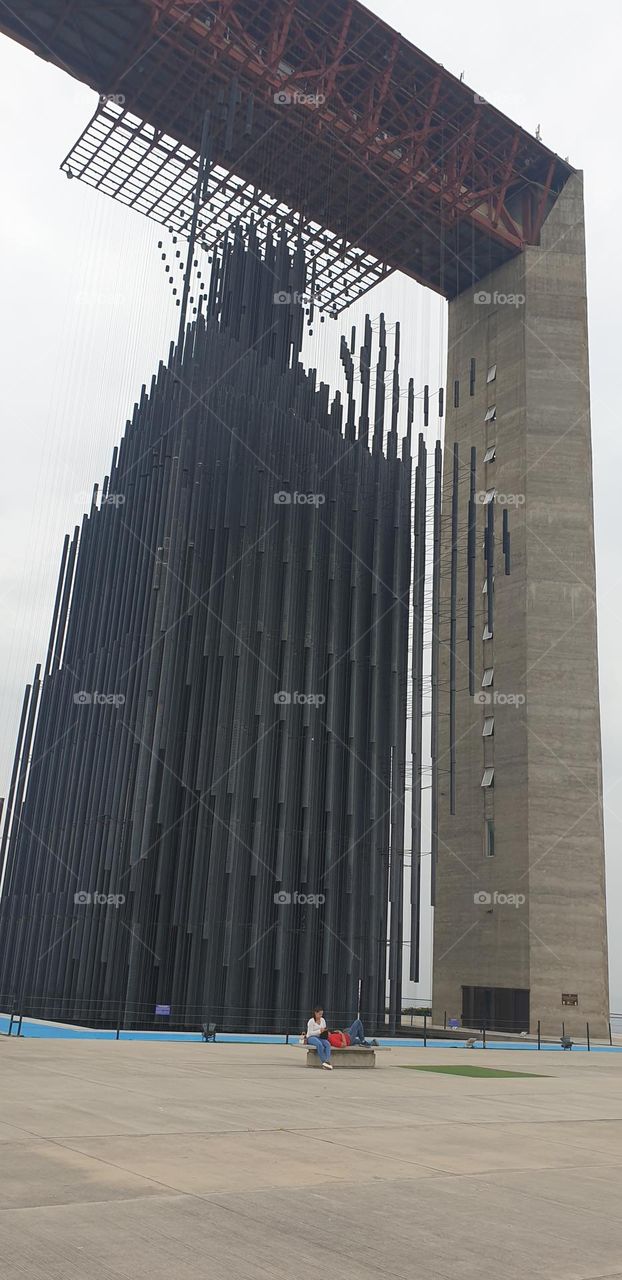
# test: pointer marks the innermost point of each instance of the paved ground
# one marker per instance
(168, 1162)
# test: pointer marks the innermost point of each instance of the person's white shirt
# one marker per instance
(315, 1028)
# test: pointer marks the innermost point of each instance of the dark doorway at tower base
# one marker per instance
(495, 1008)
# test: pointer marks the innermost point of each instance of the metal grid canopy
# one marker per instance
(126, 158)
(378, 145)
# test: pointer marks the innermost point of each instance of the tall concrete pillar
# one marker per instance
(520, 897)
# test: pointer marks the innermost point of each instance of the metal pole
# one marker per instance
(198, 197)
(436, 592)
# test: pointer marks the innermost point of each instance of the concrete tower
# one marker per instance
(520, 930)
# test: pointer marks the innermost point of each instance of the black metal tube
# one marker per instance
(435, 700)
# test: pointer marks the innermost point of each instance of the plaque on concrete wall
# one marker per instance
(569, 998)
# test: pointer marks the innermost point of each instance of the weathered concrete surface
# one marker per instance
(146, 1162)
(526, 328)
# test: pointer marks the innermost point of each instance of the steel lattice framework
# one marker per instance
(386, 159)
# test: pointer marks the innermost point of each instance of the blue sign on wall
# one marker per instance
(164, 1009)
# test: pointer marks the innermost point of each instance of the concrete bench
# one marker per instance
(351, 1055)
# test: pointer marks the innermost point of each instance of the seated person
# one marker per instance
(339, 1039)
(355, 1035)
(317, 1037)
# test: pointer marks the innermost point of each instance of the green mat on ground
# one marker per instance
(476, 1071)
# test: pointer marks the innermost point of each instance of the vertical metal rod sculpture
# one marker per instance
(198, 198)
(13, 782)
(219, 744)
(419, 584)
(436, 616)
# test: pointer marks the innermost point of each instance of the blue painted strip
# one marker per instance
(56, 1031)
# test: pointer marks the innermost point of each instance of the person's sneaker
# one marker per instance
(328, 1066)
(374, 1044)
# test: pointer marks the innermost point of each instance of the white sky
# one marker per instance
(86, 315)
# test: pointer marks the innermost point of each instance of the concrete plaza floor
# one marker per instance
(136, 1161)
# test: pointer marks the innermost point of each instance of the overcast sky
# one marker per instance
(86, 314)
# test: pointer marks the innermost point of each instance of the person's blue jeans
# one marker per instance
(356, 1033)
(322, 1046)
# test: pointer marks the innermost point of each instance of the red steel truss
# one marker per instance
(369, 142)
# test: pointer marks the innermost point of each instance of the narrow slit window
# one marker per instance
(488, 778)
(489, 727)
(488, 677)
(492, 373)
(490, 453)
(490, 838)
(491, 414)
